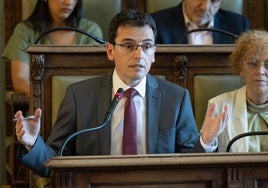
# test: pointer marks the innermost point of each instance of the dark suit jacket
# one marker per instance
(170, 122)
(171, 26)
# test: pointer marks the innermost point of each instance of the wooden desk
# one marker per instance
(217, 170)
(179, 64)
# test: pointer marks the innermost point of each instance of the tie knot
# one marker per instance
(130, 93)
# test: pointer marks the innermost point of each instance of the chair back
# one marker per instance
(209, 86)
(59, 85)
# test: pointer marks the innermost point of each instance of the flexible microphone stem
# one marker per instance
(208, 29)
(244, 135)
(95, 38)
(117, 96)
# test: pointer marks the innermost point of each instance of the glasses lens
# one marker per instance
(255, 64)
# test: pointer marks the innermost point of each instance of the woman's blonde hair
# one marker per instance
(248, 47)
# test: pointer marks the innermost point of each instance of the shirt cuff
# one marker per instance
(209, 148)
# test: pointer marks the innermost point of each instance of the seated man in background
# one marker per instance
(173, 23)
(248, 105)
(47, 14)
(164, 121)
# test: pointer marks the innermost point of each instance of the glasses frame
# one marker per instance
(254, 64)
(146, 47)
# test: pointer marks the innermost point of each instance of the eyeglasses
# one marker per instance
(132, 47)
(254, 64)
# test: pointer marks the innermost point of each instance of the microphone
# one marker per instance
(208, 29)
(258, 133)
(117, 96)
(95, 38)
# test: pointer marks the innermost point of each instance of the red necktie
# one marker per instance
(130, 124)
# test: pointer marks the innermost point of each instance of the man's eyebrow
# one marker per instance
(132, 40)
(148, 40)
(128, 40)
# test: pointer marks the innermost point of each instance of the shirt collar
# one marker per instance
(118, 83)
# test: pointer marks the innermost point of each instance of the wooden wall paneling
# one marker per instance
(16, 174)
(12, 15)
(255, 12)
(134, 4)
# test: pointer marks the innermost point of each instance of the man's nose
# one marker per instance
(138, 51)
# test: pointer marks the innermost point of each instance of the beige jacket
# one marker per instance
(236, 121)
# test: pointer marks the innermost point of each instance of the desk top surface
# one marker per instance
(160, 160)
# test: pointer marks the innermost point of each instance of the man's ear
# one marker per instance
(153, 58)
(110, 51)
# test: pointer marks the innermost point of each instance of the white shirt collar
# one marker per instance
(118, 83)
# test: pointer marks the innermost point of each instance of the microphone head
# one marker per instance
(119, 93)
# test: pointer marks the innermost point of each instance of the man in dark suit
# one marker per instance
(173, 23)
(165, 121)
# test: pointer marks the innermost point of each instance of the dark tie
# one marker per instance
(130, 124)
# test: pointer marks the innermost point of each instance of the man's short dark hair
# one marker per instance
(132, 18)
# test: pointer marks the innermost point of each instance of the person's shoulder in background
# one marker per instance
(234, 21)
(90, 27)
(167, 14)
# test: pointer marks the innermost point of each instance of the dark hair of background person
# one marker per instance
(40, 19)
(130, 17)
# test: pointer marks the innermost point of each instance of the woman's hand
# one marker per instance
(213, 125)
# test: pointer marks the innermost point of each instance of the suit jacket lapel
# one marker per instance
(153, 103)
(103, 101)
(177, 26)
(217, 37)
(221, 38)
(239, 123)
